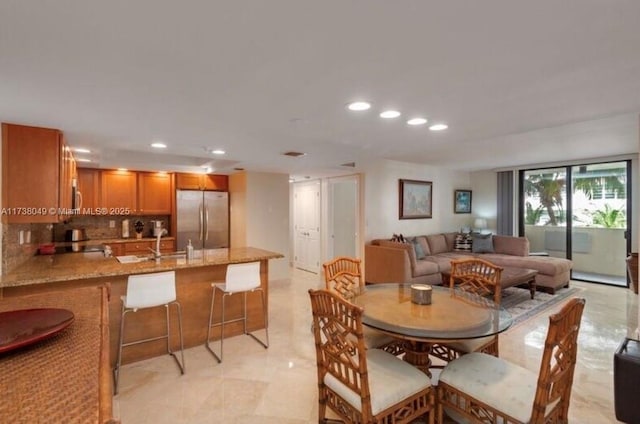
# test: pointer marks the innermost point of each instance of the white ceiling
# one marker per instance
(517, 82)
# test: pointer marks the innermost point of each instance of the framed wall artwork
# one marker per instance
(462, 201)
(415, 199)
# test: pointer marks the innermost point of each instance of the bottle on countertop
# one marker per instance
(189, 250)
(125, 228)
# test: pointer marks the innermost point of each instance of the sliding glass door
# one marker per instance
(544, 203)
(580, 213)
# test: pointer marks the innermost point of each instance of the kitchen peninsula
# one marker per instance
(48, 273)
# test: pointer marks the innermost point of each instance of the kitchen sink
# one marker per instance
(174, 255)
(131, 259)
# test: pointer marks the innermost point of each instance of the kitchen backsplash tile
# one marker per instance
(98, 227)
(15, 254)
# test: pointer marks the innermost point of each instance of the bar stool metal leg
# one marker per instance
(266, 320)
(224, 321)
(180, 363)
(240, 278)
(150, 291)
(207, 345)
(116, 371)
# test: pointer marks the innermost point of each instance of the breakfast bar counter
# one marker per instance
(43, 274)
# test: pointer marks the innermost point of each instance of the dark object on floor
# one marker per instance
(626, 374)
(632, 269)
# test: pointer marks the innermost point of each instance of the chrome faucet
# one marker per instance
(156, 253)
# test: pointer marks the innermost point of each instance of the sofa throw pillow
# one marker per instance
(417, 247)
(463, 243)
(482, 243)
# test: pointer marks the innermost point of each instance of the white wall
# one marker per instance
(267, 217)
(260, 216)
(381, 200)
(484, 186)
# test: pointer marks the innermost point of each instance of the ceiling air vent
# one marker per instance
(349, 164)
(294, 154)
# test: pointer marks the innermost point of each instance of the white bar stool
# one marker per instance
(240, 278)
(148, 291)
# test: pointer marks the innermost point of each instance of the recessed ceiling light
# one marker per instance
(417, 121)
(158, 145)
(122, 169)
(83, 160)
(218, 152)
(438, 127)
(81, 150)
(359, 106)
(389, 114)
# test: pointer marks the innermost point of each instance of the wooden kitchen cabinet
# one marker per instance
(138, 247)
(118, 193)
(202, 182)
(167, 246)
(125, 192)
(37, 168)
(89, 188)
(67, 175)
(215, 182)
(117, 249)
(154, 193)
(141, 247)
(188, 181)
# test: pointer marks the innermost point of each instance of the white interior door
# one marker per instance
(306, 212)
(343, 217)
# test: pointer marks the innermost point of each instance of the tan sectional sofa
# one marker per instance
(394, 262)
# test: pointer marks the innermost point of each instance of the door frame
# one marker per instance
(569, 207)
(329, 248)
(296, 252)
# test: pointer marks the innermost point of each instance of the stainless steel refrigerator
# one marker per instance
(203, 218)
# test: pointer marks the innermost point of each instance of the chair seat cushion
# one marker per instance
(390, 381)
(470, 345)
(500, 384)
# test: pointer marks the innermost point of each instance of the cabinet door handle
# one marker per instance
(206, 225)
(201, 221)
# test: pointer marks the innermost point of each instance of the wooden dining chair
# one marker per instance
(481, 279)
(362, 385)
(343, 275)
(481, 388)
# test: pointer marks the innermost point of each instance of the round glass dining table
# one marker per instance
(452, 315)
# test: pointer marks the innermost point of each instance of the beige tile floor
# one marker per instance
(278, 385)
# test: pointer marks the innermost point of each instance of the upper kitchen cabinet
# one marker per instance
(89, 190)
(118, 193)
(154, 193)
(68, 178)
(131, 192)
(202, 182)
(37, 173)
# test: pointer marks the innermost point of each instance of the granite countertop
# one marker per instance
(78, 266)
(93, 242)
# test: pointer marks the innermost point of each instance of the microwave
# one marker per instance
(76, 196)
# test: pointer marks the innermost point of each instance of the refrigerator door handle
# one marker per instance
(201, 221)
(206, 223)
